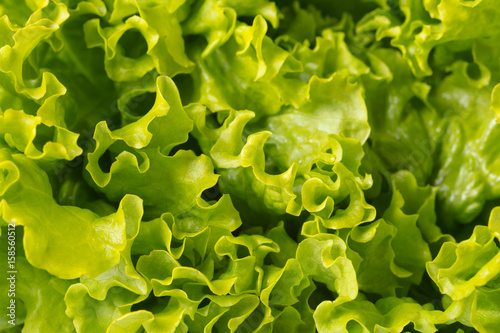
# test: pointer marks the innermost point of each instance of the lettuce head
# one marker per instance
(249, 166)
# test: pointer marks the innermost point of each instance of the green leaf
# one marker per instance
(459, 269)
(20, 131)
(67, 241)
(38, 295)
(386, 315)
(91, 315)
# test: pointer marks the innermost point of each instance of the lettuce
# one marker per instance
(249, 166)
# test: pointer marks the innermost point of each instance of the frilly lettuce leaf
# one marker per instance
(233, 156)
(40, 27)
(214, 21)
(21, 131)
(238, 274)
(43, 297)
(443, 123)
(390, 254)
(44, 135)
(267, 9)
(92, 315)
(164, 49)
(386, 315)
(431, 23)
(323, 258)
(193, 283)
(67, 241)
(472, 140)
(335, 106)
(123, 275)
(39, 295)
(467, 274)
(397, 103)
(166, 233)
(455, 270)
(409, 244)
(118, 66)
(275, 283)
(320, 62)
(138, 149)
(275, 188)
(244, 162)
(257, 66)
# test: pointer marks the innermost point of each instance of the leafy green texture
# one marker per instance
(250, 166)
(66, 241)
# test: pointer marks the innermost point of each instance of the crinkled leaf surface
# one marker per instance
(250, 166)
